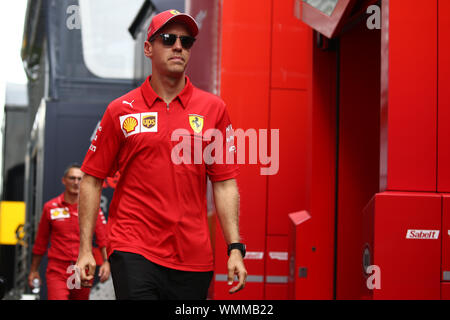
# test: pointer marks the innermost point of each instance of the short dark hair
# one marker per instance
(70, 166)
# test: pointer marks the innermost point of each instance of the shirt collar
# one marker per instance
(150, 95)
(62, 201)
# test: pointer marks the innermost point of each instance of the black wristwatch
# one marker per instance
(237, 245)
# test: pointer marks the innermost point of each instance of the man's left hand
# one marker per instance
(236, 267)
(104, 272)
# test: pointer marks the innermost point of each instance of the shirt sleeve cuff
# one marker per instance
(93, 172)
(224, 176)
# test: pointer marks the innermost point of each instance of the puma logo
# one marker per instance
(129, 103)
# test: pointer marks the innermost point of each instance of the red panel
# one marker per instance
(410, 268)
(301, 286)
(445, 291)
(309, 256)
(245, 81)
(359, 112)
(252, 291)
(309, 261)
(255, 241)
(445, 269)
(288, 188)
(444, 97)
(277, 269)
(276, 291)
(277, 257)
(291, 59)
(412, 105)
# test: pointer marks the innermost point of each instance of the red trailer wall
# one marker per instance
(398, 234)
(443, 96)
(244, 86)
(389, 137)
(410, 120)
(265, 80)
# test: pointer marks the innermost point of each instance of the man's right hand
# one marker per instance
(86, 264)
(33, 275)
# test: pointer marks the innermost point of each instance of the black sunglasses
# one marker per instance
(169, 39)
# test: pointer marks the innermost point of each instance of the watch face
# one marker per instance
(240, 246)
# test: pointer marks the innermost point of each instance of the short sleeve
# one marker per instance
(101, 158)
(225, 165)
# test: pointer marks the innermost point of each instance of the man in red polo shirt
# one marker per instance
(59, 225)
(158, 231)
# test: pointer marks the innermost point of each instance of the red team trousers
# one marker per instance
(57, 282)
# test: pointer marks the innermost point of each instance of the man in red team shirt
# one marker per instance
(159, 245)
(59, 224)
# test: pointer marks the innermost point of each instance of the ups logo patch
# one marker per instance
(149, 121)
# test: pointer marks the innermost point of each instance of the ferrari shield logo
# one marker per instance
(196, 122)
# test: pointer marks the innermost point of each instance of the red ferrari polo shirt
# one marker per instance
(159, 205)
(59, 224)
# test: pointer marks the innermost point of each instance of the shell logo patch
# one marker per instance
(59, 213)
(196, 122)
(174, 12)
(129, 125)
(138, 123)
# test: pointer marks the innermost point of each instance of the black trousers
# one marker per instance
(136, 278)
